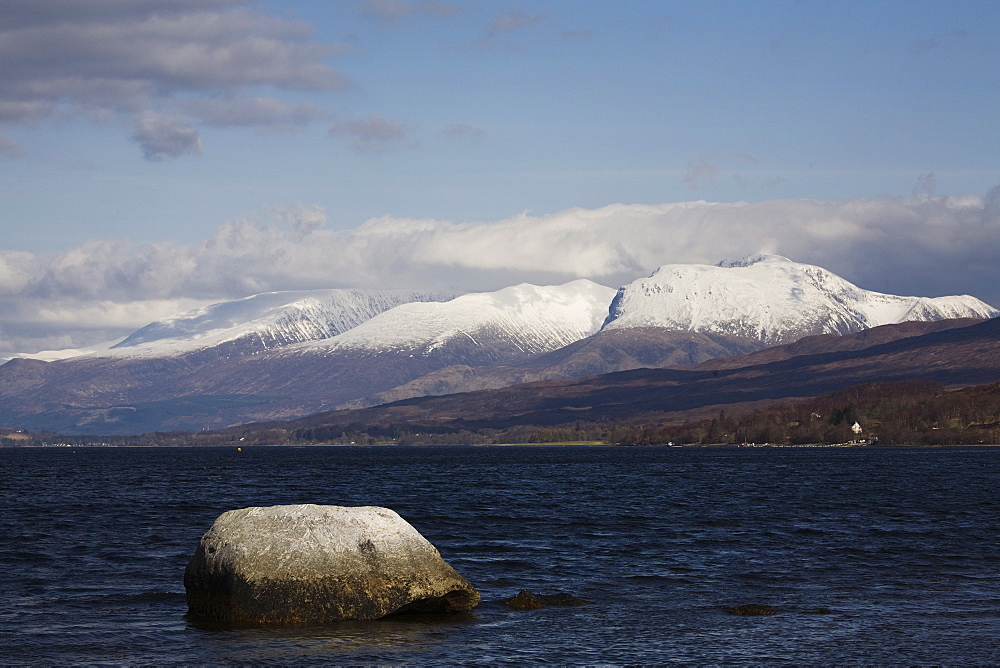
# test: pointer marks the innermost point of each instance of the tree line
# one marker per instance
(903, 413)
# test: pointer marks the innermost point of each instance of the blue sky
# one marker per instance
(155, 128)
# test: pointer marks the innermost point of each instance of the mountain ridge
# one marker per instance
(270, 320)
(286, 355)
(531, 318)
(773, 299)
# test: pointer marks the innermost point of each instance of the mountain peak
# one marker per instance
(525, 317)
(756, 258)
(268, 320)
(772, 299)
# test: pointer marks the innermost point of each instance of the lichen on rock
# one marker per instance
(309, 563)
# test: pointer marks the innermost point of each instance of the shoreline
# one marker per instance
(577, 444)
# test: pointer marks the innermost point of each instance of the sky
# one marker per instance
(159, 155)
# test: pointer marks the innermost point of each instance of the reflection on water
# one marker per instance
(394, 638)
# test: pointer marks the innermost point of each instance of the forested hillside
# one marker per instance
(918, 413)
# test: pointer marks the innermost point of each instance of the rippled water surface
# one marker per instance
(888, 556)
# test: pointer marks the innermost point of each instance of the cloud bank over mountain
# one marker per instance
(918, 245)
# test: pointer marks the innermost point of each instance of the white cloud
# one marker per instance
(373, 134)
(112, 60)
(917, 245)
(163, 136)
(301, 218)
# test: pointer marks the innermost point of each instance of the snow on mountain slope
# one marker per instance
(771, 298)
(266, 321)
(522, 319)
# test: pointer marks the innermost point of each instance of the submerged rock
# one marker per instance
(752, 610)
(819, 611)
(526, 600)
(309, 563)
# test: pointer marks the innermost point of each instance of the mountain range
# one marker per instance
(291, 354)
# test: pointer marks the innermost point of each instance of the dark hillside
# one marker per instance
(913, 413)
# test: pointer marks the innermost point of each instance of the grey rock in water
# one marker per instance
(528, 600)
(752, 610)
(309, 563)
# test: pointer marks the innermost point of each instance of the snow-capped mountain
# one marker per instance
(772, 299)
(519, 320)
(281, 355)
(266, 321)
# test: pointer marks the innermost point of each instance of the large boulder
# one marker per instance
(309, 563)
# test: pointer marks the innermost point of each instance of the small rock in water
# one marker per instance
(752, 610)
(526, 600)
(309, 563)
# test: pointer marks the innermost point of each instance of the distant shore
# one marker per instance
(593, 444)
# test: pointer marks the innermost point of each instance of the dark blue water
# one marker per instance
(887, 556)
